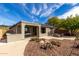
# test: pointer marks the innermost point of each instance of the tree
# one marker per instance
(55, 22)
(71, 24)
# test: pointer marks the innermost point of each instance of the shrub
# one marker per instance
(42, 39)
(43, 46)
(46, 46)
(57, 43)
(76, 44)
(49, 45)
(35, 39)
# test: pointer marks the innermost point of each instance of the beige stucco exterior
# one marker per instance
(44, 34)
(19, 31)
(13, 37)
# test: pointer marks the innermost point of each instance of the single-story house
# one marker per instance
(24, 29)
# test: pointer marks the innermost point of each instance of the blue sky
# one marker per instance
(35, 12)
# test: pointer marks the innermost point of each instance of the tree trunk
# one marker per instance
(53, 31)
(71, 32)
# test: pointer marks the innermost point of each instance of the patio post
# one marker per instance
(23, 30)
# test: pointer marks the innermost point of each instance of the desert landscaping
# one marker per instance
(58, 48)
(38, 32)
(41, 47)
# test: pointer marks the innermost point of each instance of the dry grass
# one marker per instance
(65, 49)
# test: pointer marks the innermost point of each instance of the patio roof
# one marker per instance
(27, 23)
(32, 24)
(45, 25)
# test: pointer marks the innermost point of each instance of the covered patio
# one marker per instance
(31, 31)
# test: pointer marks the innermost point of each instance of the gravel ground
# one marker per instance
(66, 49)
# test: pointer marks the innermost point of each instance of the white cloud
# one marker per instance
(34, 19)
(28, 12)
(38, 12)
(41, 9)
(50, 10)
(45, 6)
(47, 13)
(72, 12)
(25, 10)
(34, 9)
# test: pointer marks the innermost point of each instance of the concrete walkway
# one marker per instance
(13, 48)
(60, 38)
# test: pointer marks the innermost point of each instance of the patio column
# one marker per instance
(16, 29)
(23, 30)
(39, 33)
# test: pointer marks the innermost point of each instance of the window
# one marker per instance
(43, 30)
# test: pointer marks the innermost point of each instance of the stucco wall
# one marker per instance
(44, 34)
(13, 37)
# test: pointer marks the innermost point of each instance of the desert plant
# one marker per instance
(76, 43)
(57, 43)
(46, 46)
(42, 39)
(49, 45)
(43, 46)
(35, 39)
